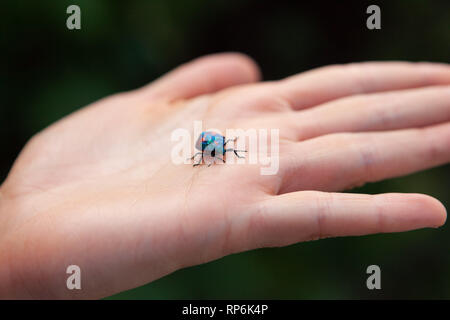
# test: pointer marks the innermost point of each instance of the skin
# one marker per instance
(98, 189)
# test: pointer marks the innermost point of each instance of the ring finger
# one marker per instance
(343, 160)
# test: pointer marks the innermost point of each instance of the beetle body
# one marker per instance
(212, 144)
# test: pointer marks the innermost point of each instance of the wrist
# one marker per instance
(9, 286)
(5, 283)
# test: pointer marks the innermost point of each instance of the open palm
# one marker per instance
(98, 189)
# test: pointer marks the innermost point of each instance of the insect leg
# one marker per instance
(201, 159)
(236, 152)
(191, 158)
(209, 164)
(234, 139)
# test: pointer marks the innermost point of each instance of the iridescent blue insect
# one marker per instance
(213, 144)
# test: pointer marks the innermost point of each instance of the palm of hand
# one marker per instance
(98, 189)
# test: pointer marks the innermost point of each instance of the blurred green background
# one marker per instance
(49, 71)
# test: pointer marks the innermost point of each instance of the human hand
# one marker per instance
(98, 189)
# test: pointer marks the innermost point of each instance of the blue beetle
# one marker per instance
(213, 144)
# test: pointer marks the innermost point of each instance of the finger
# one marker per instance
(371, 112)
(332, 82)
(309, 215)
(205, 75)
(344, 160)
